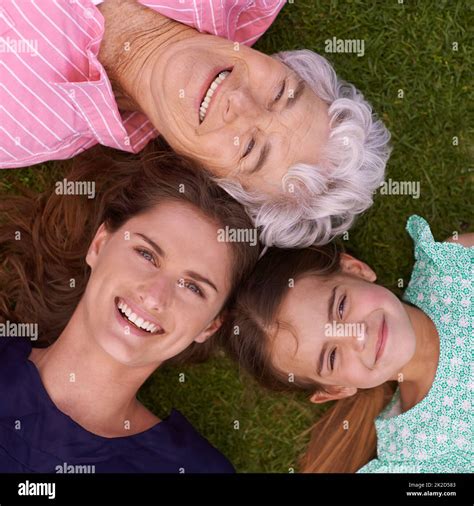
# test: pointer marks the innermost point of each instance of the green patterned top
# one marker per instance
(435, 436)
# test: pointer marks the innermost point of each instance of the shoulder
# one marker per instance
(14, 346)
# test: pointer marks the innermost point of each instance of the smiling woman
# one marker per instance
(108, 282)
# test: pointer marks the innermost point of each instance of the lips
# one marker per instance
(203, 91)
(381, 341)
(140, 316)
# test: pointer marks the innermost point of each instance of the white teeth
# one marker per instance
(210, 92)
(136, 320)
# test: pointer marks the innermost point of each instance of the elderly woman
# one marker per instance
(281, 134)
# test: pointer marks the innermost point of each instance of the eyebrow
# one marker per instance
(153, 244)
(162, 254)
(321, 356)
(331, 302)
(323, 351)
(290, 102)
(198, 277)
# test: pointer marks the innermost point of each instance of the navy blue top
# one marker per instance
(35, 436)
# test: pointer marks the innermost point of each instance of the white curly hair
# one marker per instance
(324, 200)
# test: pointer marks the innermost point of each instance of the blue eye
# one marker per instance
(146, 255)
(194, 288)
(331, 359)
(341, 306)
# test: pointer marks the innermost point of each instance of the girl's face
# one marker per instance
(349, 333)
(168, 273)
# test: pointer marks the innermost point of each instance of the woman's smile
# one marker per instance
(135, 320)
(381, 341)
(209, 90)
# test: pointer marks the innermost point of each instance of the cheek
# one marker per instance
(376, 297)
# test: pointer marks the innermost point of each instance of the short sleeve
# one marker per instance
(447, 256)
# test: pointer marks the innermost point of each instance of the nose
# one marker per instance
(155, 294)
(241, 103)
(355, 336)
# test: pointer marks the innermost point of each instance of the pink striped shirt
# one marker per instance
(55, 98)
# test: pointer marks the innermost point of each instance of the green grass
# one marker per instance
(407, 47)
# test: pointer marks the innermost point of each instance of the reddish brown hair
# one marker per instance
(55, 232)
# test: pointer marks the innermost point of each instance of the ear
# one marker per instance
(96, 245)
(336, 393)
(354, 267)
(211, 329)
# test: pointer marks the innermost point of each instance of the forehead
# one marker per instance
(302, 316)
(296, 135)
(308, 296)
(187, 237)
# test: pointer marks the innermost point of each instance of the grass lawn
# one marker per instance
(420, 48)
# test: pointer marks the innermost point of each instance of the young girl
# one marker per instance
(115, 287)
(315, 320)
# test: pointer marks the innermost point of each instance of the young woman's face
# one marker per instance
(166, 270)
(348, 331)
(259, 108)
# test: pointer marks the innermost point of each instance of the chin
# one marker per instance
(119, 351)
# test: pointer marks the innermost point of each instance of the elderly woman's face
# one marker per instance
(258, 122)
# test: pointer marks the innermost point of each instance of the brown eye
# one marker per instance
(332, 358)
(250, 146)
(341, 306)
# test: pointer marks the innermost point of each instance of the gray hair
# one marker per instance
(321, 201)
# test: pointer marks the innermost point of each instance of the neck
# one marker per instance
(89, 385)
(418, 375)
(135, 37)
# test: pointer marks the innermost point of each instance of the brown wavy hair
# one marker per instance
(332, 448)
(44, 237)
